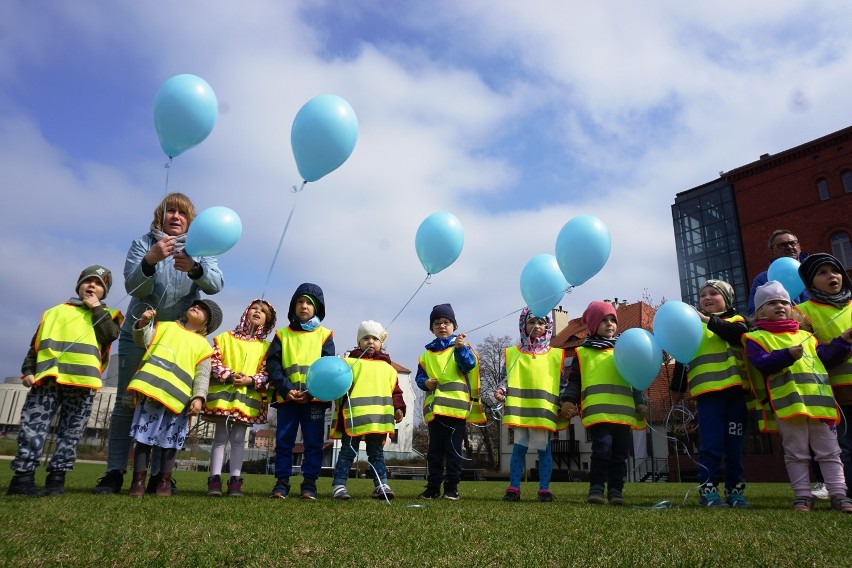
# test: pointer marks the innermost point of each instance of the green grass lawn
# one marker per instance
(191, 529)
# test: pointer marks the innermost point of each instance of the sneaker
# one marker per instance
(544, 496)
(154, 481)
(803, 503)
(24, 484)
(340, 492)
(709, 496)
(281, 489)
(54, 484)
(736, 497)
(430, 493)
(842, 504)
(110, 483)
(819, 491)
(616, 498)
(513, 494)
(451, 494)
(383, 491)
(309, 492)
(214, 486)
(235, 486)
(595, 498)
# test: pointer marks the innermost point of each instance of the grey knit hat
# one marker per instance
(96, 271)
(214, 313)
(772, 290)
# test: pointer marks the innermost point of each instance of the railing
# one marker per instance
(649, 470)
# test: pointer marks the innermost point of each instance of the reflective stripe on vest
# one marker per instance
(532, 389)
(800, 389)
(717, 365)
(606, 397)
(452, 397)
(299, 350)
(241, 356)
(763, 414)
(67, 348)
(168, 367)
(369, 407)
(829, 322)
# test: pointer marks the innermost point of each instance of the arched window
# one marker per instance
(822, 186)
(841, 248)
(846, 177)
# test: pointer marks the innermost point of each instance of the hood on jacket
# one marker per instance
(307, 289)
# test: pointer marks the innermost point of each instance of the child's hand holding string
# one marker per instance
(569, 410)
(195, 406)
(796, 351)
(146, 318)
(431, 384)
(460, 340)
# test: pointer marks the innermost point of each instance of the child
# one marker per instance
(610, 406)
(449, 373)
(531, 393)
(787, 368)
(828, 312)
(63, 367)
(170, 385)
(716, 381)
(370, 409)
(237, 395)
(292, 352)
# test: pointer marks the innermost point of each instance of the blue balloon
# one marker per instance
(329, 378)
(638, 357)
(213, 231)
(439, 241)
(542, 284)
(678, 330)
(323, 136)
(185, 112)
(582, 248)
(786, 271)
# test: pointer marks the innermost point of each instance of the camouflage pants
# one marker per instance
(74, 405)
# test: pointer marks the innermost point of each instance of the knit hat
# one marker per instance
(724, 288)
(595, 313)
(99, 272)
(443, 311)
(808, 268)
(214, 313)
(772, 290)
(373, 329)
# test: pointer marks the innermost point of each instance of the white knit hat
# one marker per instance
(772, 290)
(373, 329)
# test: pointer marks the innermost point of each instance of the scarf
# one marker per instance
(180, 241)
(311, 324)
(540, 344)
(598, 342)
(778, 326)
(247, 330)
(839, 300)
(359, 353)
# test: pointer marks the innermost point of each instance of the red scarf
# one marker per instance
(358, 353)
(778, 326)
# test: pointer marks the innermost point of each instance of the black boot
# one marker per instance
(109, 484)
(154, 481)
(54, 484)
(24, 484)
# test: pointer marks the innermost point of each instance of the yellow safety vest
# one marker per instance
(828, 325)
(241, 356)
(168, 367)
(766, 422)
(67, 349)
(532, 389)
(369, 407)
(717, 365)
(456, 396)
(299, 350)
(801, 389)
(606, 396)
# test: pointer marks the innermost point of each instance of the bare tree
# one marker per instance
(485, 439)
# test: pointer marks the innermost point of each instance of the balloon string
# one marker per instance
(425, 280)
(813, 333)
(281, 240)
(167, 167)
(477, 328)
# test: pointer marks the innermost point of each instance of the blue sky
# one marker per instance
(515, 117)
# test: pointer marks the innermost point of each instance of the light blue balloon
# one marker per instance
(678, 330)
(185, 112)
(439, 241)
(786, 271)
(582, 248)
(542, 284)
(213, 231)
(329, 378)
(638, 357)
(323, 136)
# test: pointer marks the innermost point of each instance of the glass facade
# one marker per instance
(707, 240)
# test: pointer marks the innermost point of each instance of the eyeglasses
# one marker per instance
(786, 244)
(442, 323)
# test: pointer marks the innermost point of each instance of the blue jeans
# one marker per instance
(518, 464)
(446, 436)
(721, 425)
(610, 448)
(311, 418)
(375, 457)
